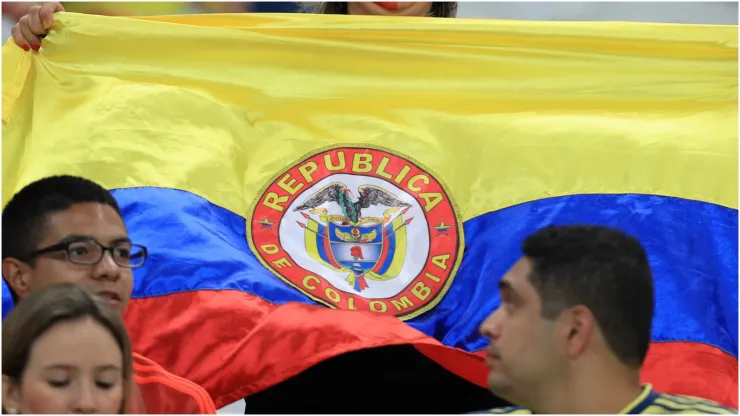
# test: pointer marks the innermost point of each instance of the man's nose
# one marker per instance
(107, 268)
(491, 326)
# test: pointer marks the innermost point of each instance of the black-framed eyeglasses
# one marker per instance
(90, 252)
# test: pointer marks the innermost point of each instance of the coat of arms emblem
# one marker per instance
(371, 248)
(359, 228)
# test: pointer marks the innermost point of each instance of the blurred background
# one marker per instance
(665, 12)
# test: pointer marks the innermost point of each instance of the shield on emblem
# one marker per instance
(374, 251)
(358, 248)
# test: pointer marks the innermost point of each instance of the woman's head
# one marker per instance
(430, 9)
(65, 351)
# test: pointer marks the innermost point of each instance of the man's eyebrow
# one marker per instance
(73, 238)
(506, 288)
(119, 240)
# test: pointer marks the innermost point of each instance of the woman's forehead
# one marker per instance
(74, 346)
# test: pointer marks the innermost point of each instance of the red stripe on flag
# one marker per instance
(235, 344)
(688, 368)
(692, 369)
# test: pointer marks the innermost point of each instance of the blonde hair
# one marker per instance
(439, 9)
(53, 305)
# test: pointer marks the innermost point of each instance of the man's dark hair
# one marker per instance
(602, 268)
(25, 216)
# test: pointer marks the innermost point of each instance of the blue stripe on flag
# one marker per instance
(692, 245)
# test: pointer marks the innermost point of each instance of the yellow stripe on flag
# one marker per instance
(501, 112)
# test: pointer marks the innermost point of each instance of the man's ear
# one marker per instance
(17, 275)
(579, 324)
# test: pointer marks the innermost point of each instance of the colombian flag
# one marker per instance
(311, 185)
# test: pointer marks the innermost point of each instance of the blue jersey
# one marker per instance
(652, 403)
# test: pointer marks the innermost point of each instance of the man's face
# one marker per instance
(523, 352)
(91, 221)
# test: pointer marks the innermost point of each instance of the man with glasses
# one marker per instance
(69, 229)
